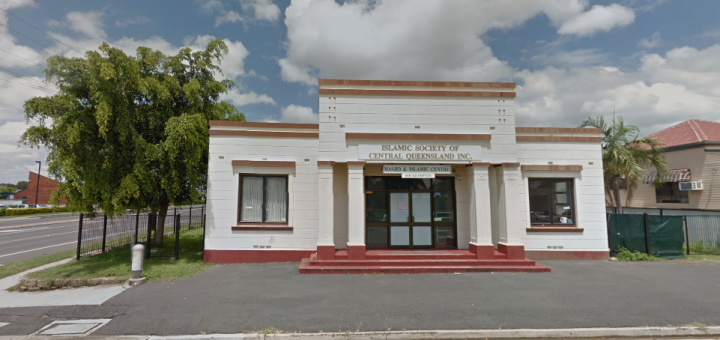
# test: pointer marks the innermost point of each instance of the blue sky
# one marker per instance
(656, 62)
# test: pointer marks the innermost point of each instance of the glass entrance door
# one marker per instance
(410, 220)
(410, 213)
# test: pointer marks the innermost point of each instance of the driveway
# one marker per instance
(252, 297)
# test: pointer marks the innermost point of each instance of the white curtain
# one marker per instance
(252, 199)
(276, 192)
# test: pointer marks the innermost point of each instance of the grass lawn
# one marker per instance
(21, 266)
(116, 262)
(702, 258)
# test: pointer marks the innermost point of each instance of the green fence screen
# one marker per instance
(666, 234)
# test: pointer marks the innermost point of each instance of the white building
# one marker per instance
(405, 171)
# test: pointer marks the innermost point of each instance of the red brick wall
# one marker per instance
(47, 187)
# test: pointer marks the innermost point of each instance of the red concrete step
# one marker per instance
(419, 263)
(305, 268)
(417, 255)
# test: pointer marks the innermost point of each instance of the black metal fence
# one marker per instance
(183, 235)
(665, 235)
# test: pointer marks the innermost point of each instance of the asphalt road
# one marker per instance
(26, 237)
(253, 297)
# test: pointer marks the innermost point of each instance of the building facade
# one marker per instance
(405, 165)
(692, 153)
(47, 187)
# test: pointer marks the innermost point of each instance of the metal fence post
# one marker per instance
(647, 234)
(104, 232)
(137, 225)
(79, 243)
(202, 217)
(687, 236)
(149, 234)
(190, 218)
(177, 236)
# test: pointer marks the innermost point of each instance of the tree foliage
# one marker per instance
(626, 155)
(129, 131)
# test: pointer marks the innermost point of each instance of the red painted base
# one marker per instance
(567, 255)
(483, 252)
(356, 252)
(417, 261)
(326, 252)
(512, 252)
(255, 256)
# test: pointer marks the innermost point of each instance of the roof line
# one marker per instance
(698, 131)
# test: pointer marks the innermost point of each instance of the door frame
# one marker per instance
(411, 223)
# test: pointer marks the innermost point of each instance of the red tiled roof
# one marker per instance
(688, 132)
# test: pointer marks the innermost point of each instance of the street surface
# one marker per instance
(26, 237)
(254, 297)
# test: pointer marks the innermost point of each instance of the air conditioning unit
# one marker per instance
(687, 186)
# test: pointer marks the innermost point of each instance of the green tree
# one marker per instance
(22, 185)
(626, 157)
(130, 131)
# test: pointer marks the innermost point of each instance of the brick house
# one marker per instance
(47, 188)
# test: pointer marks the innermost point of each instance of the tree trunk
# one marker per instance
(160, 229)
(618, 205)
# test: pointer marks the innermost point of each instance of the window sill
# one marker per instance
(255, 226)
(563, 229)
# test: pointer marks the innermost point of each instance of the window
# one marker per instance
(551, 201)
(263, 199)
(670, 193)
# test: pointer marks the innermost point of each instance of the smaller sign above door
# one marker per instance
(432, 169)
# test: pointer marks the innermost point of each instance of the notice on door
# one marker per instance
(403, 206)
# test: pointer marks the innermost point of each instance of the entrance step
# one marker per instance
(306, 268)
(452, 254)
(419, 262)
(416, 262)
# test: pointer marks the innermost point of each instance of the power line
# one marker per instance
(31, 85)
(20, 57)
(31, 39)
(39, 30)
(21, 76)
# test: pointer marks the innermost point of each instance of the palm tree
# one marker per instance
(626, 157)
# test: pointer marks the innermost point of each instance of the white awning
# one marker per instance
(679, 175)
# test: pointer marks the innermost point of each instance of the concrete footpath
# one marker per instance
(269, 298)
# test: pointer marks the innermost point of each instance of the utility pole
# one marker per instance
(37, 186)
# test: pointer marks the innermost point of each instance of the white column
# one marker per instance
(480, 216)
(356, 205)
(480, 210)
(325, 204)
(511, 176)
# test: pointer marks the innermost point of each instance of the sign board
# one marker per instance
(419, 152)
(417, 171)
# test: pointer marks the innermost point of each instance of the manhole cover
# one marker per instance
(72, 327)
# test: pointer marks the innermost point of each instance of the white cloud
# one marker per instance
(248, 98)
(422, 40)
(88, 23)
(228, 17)
(15, 55)
(137, 20)
(263, 9)
(298, 114)
(581, 57)
(683, 83)
(650, 43)
(15, 160)
(598, 18)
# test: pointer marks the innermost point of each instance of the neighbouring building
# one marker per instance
(692, 152)
(47, 187)
(405, 172)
